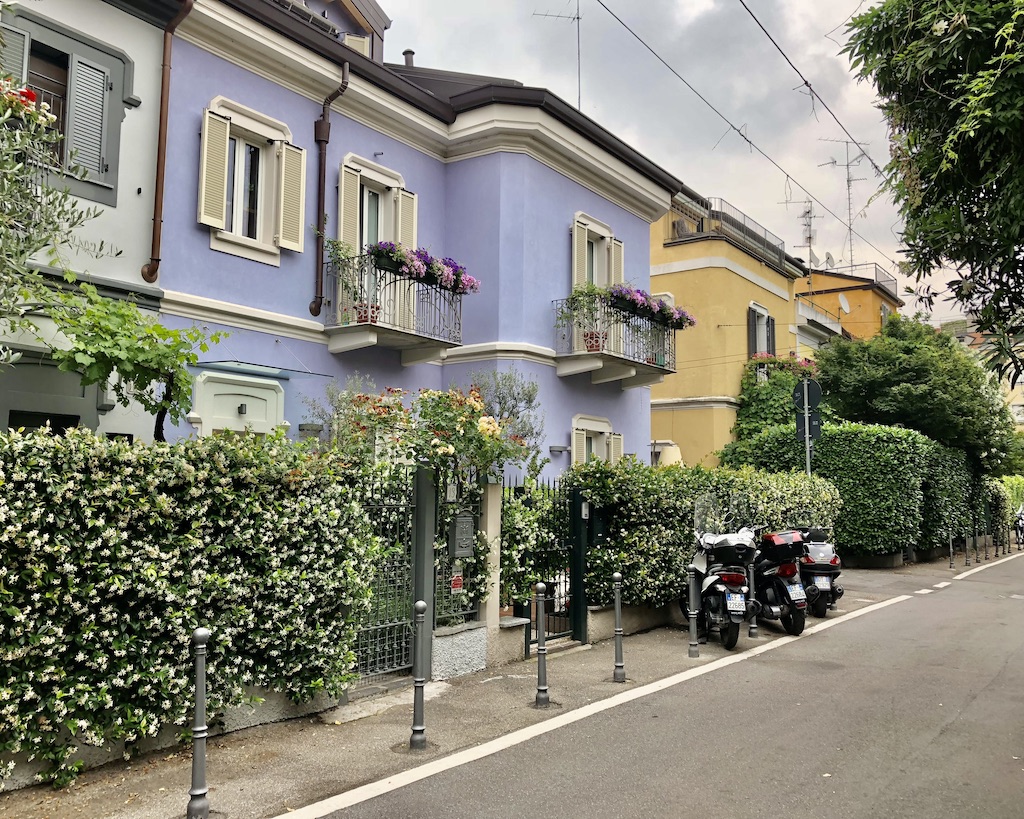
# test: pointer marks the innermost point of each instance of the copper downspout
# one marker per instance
(151, 270)
(322, 135)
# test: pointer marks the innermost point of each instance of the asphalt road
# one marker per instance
(913, 710)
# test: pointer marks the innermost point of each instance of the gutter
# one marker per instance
(151, 270)
(322, 135)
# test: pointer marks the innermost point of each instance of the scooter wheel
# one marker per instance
(730, 635)
(794, 622)
(819, 606)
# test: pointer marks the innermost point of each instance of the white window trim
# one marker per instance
(601, 235)
(763, 313)
(247, 122)
(369, 169)
(595, 427)
(202, 417)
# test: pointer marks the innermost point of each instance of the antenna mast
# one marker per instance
(850, 165)
(572, 18)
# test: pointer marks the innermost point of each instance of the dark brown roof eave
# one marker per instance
(565, 113)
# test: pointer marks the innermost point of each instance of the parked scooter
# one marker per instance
(819, 569)
(1018, 526)
(721, 562)
(777, 585)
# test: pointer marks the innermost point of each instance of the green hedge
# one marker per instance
(648, 514)
(113, 553)
(898, 486)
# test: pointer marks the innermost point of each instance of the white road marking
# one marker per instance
(924, 591)
(969, 572)
(943, 584)
(400, 780)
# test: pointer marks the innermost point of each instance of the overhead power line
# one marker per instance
(742, 135)
(811, 91)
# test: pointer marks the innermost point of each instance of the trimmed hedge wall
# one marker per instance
(113, 553)
(649, 518)
(898, 486)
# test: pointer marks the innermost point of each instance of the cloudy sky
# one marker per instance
(718, 48)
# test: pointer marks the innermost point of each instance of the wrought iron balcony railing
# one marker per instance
(600, 328)
(361, 293)
(716, 217)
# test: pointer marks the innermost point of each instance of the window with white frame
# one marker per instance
(251, 183)
(373, 205)
(86, 83)
(597, 256)
(760, 331)
(593, 439)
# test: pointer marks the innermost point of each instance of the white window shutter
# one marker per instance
(88, 98)
(348, 207)
(579, 253)
(407, 218)
(579, 446)
(213, 170)
(14, 53)
(614, 448)
(616, 267)
(291, 215)
(358, 43)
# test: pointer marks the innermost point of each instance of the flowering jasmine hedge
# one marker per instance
(648, 515)
(113, 553)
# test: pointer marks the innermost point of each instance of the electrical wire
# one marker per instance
(744, 137)
(811, 90)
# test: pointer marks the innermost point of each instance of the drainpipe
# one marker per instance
(151, 269)
(322, 135)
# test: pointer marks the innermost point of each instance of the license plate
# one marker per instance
(823, 582)
(796, 592)
(735, 602)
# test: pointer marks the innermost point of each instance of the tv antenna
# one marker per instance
(572, 18)
(850, 164)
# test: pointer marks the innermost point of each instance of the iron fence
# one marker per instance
(602, 327)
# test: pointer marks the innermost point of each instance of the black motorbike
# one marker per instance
(721, 561)
(777, 585)
(819, 569)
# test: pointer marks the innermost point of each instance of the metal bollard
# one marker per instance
(198, 802)
(967, 549)
(951, 551)
(620, 667)
(752, 629)
(986, 538)
(691, 611)
(542, 700)
(418, 739)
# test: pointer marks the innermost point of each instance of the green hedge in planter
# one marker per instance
(113, 553)
(648, 514)
(889, 479)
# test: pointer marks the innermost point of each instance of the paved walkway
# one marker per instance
(271, 770)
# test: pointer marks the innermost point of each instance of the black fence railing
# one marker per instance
(359, 292)
(715, 216)
(603, 328)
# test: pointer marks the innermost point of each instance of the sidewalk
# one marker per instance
(267, 771)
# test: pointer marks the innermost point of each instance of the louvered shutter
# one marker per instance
(291, 214)
(579, 446)
(751, 332)
(358, 43)
(88, 95)
(405, 289)
(614, 448)
(348, 207)
(213, 170)
(407, 204)
(771, 335)
(579, 253)
(616, 268)
(14, 53)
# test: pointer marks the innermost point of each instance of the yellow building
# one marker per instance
(738, 281)
(863, 296)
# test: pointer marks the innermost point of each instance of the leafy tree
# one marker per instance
(514, 400)
(766, 393)
(915, 376)
(951, 81)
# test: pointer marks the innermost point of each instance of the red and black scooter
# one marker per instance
(778, 588)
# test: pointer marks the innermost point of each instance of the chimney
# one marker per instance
(408, 54)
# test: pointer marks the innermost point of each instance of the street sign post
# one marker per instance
(806, 397)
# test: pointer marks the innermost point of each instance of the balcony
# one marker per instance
(871, 271)
(369, 305)
(692, 219)
(613, 344)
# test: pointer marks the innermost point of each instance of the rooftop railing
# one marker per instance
(716, 217)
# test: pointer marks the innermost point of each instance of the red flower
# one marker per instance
(27, 95)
